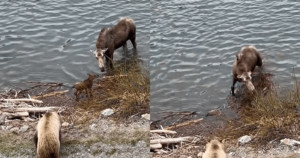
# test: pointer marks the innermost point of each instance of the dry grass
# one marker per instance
(268, 114)
(126, 90)
(12, 144)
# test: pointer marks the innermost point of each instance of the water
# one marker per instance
(50, 41)
(193, 47)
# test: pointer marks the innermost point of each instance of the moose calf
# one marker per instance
(85, 85)
(244, 65)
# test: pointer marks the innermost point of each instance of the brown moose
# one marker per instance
(244, 65)
(113, 38)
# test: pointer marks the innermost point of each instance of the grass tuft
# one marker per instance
(267, 114)
(126, 89)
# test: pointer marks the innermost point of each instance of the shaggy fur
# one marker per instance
(244, 65)
(47, 137)
(85, 85)
(214, 149)
(111, 39)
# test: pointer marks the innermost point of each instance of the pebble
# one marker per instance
(2, 119)
(200, 154)
(15, 130)
(107, 112)
(9, 127)
(65, 124)
(244, 139)
(146, 117)
(231, 153)
(24, 128)
(214, 112)
(93, 126)
(289, 142)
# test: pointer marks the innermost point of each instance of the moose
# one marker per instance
(86, 85)
(113, 38)
(246, 61)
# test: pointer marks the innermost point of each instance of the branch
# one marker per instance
(155, 146)
(24, 100)
(169, 140)
(29, 110)
(163, 131)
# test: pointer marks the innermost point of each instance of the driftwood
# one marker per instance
(155, 146)
(22, 100)
(163, 131)
(29, 110)
(16, 115)
(184, 124)
(169, 140)
(50, 94)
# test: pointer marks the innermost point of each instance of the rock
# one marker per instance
(93, 126)
(214, 112)
(65, 124)
(24, 128)
(244, 139)
(9, 127)
(146, 117)
(15, 130)
(290, 142)
(2, 119)
(107, 112)
(200, 154)
(3, 127)
(231, 153)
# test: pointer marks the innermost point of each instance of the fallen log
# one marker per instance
(50, 94)
(22, 100)
(16, 115)
(155, 146)
(183, 124)
(29, 110)
(169, 140)
(163, 131)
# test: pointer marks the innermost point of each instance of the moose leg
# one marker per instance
(90, 91)
(111, 61)
(87, 93)
(133, 42)
(125, 47)
(232, 87)
(77, 99)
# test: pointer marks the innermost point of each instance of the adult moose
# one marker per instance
(113, 38)
(244, 65)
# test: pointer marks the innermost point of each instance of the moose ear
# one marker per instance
(95, 52)
(88, 74)
(104, 50)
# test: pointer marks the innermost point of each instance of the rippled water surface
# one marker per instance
(50, 41)
(193, 47)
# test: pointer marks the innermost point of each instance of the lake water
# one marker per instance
(193, 47)
(50, 41)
